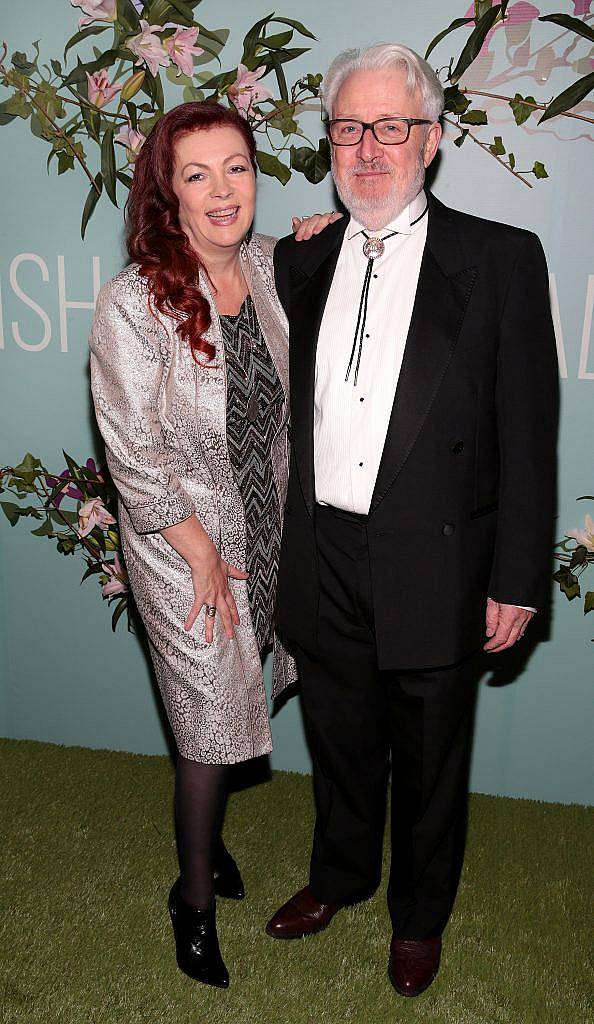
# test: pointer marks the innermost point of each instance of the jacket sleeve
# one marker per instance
(527, 401)
(128, 363)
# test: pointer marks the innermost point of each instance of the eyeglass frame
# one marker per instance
(409, 121)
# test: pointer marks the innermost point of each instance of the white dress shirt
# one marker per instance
(351, 422)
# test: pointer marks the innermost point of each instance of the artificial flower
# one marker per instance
(131, 139)
(101, 90)
(246, 90)
(96, 10)
(180, 47)
(584, 537)
(93, 513)
(118, 581)
(148, 48)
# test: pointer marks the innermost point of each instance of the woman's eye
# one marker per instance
(196, 177)
(237, 167)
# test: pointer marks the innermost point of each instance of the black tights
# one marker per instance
(200, 797)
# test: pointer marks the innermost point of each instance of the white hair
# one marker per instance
(420, 75)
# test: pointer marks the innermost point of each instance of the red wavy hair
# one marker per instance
(154, 237)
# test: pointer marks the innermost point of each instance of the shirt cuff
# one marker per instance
(524, 607)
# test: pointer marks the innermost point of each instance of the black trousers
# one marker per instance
(359, 720)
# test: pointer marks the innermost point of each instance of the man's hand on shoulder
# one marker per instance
(506, 624)
(305, 227)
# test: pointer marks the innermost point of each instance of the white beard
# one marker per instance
(375, 212)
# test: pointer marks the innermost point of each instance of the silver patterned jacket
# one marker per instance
(163, 420)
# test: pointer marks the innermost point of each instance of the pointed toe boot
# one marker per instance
(196, 942)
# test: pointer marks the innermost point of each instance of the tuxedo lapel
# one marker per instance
(443, 292)
(310, 285)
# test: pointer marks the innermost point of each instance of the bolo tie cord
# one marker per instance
(362, 314)
(369, 246)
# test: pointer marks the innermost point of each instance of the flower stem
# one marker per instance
(487, 149)
(527, 103)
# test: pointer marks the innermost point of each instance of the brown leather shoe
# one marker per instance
(302, 915)
(413, 964)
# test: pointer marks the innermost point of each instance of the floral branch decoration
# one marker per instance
(576, 554)
(77, 509)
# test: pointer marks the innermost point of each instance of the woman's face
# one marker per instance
(215, 184)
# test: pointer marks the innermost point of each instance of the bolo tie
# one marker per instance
(373, 248)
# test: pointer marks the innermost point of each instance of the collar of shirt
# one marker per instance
(403, 223)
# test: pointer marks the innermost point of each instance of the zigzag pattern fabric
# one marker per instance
(254, 408)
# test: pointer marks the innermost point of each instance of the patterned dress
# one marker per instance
(255, 400)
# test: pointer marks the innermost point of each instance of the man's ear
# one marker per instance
(432, 141)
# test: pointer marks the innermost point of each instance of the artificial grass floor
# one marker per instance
(87, 857)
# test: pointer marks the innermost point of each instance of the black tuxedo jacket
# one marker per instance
(464, 498)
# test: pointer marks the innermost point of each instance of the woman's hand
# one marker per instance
(305, 227)
(210, 576)
(210, 579)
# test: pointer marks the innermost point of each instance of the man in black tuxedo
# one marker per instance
(420, 502)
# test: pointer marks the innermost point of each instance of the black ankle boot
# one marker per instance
(227, 879)
(196, 942)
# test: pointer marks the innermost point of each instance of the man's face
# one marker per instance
(374, 181)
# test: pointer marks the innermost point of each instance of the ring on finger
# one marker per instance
(211, 610)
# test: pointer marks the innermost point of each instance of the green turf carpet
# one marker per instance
(87, 857)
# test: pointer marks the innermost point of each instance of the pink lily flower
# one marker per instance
(96, 10)
(131, 139)
(148, 48)
(246, 90)
(581, 7)
(101, 91)
(519, 14)
(118, 582)
(93, 513)
(585, 536)
(180, 47)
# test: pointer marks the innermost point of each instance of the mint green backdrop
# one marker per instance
(65, 677)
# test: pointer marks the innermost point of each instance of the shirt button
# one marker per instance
(457, 447)
(361, 399)
(360, 463)
(448, 529)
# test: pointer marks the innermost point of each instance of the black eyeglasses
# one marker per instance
(389, 131)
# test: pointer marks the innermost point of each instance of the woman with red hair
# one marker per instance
(190, 384)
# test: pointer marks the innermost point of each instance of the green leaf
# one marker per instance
(45, 530)
(521, 109)
(474, 117)
(271, 165)
(296, 25)
(65, 162)
(589, 602)
(578, 557)
(11, 511)
(6, 117)
(181, 8)
(539, 170)
(497, 149)
(17, 106)
(313, 164)
(91, 203)
(457, 23)
(568, 583)
(90, 30)
(126, 179)
(92, 121)
(252, 37)
(106, 60)
(22, 64)
(128, 16)
(511, 160)
(569, 97)
(455, 102)
(581, 28)
(192, 95)
(119, 610)
(92, 570)
(67, 545)
(461, 138)
(56, 67)
(28, 469)
(212, 43)
(277, 42)
(475, 41)
(108, 165)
